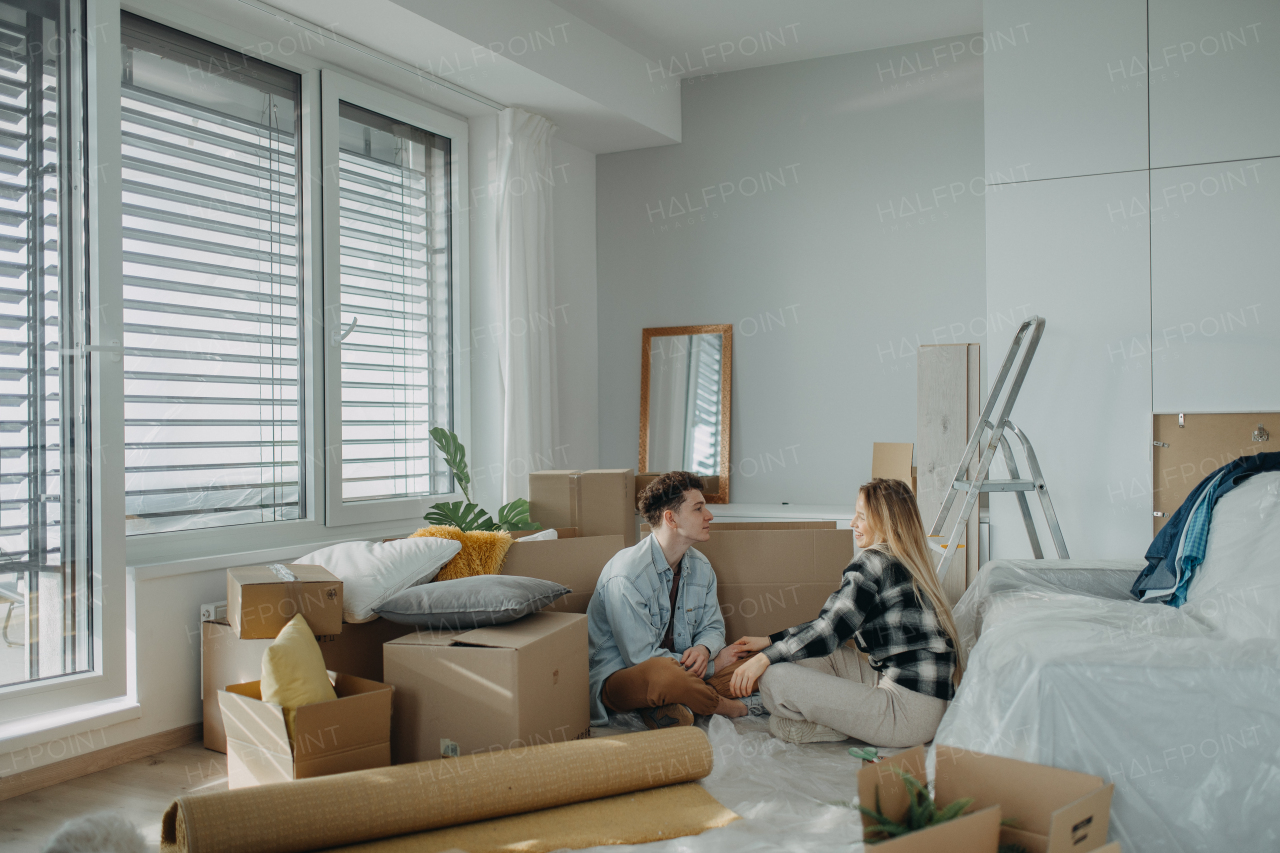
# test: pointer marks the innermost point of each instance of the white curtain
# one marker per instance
(526, 287)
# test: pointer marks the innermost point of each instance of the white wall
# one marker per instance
(1142, 235)
(832, 211)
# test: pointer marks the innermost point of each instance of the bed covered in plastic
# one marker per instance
(1180, 708)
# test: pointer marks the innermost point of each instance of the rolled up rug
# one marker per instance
(348, 808)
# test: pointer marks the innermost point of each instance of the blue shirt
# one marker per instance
(630, 608)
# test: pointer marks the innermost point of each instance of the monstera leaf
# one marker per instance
(464, 516)
(515, 516)
(455, 456)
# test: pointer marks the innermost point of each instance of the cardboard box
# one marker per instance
(773, 579)
(518, 684)
(553, 498)
(260, 602)
(607, 504)
(575, 563)
(1052, 810)
(353, 732)
(226, 659)
(561, 532)
(977, 831)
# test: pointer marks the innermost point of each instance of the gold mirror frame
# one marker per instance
(726, 385)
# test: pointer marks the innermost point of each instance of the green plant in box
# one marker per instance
(922, 812)
(466, 515)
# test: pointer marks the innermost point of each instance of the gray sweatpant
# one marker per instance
(843, 692)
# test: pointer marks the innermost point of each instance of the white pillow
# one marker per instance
(372, 572)
(1237, 588)
(540, 536)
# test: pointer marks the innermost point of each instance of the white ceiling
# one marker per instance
(663, 29)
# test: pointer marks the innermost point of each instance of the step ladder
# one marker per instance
(989, 435)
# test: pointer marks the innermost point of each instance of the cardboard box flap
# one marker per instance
(975, 832)
(881, 780)
(250, 720)
(1030, 794)
(1082, 825)
(515, 635)
(426, 637)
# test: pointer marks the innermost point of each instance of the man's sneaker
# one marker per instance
(666, 716)
(802, 731)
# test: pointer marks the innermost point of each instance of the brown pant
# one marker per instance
(658, 681)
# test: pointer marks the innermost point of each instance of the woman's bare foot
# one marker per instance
(731, 708)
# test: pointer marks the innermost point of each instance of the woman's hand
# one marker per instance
(743, 681)
(747, 645)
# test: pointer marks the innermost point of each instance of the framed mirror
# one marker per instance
(685, 383)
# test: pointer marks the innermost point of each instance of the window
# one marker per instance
(389, 279)
(212, 284)
(45, 578)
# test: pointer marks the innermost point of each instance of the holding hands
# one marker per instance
(744, 678)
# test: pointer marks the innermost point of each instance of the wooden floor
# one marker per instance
(140, 791)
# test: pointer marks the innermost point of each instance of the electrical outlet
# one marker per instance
(213, 612)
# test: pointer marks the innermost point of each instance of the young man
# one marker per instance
(654, 620)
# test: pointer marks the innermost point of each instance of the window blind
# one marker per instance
(44, 584)
(211, 197)
(393, 184)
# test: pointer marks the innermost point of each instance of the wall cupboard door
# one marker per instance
(1215, 80)
(1063, 95)
(1215, 263)
(1068, 251)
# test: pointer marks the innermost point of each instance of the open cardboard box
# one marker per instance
(352, 732)
(1050, 810)
(503, 686)
(227, 659)
(598, 502)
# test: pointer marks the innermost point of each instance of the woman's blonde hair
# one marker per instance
(895, 523)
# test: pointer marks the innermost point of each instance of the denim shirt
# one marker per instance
(630, 607)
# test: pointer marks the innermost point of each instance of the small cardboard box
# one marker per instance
(353, 732)
(977, 831)
(606, 503)
(226, 659)
(260, 602)
(574, 562)
(518, 684)
(553, 498)
(769, 580)
(1051, 810)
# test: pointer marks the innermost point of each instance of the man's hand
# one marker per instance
(743, 681)
(695, 659)
(729, 655)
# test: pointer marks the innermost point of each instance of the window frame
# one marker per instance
(336, 87)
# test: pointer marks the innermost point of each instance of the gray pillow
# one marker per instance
(473, 602)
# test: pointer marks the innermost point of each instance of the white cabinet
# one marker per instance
(1070, 251)
(1215, 80)
(1215, 276)
(1063, 95)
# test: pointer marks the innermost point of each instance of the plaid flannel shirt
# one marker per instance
(877, 607)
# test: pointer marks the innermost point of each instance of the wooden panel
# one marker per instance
(943, 384)
(1196, 450)
(100, 759)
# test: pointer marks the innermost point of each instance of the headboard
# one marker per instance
(1196, 445)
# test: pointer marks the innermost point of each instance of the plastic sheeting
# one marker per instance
(1180, 708)
(793, 798)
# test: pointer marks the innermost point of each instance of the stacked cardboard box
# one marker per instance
(262, 599)
(598, 503)
(574, 562)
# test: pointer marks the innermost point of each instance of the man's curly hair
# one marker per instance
(666, 493)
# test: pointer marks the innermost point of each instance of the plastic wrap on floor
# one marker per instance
(1179, 707)
(793, 798)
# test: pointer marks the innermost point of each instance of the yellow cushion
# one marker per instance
(483, 551)
(293, 671)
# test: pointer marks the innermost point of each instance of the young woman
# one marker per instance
(892, 690)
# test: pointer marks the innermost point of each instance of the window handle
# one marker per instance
(340, 334)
